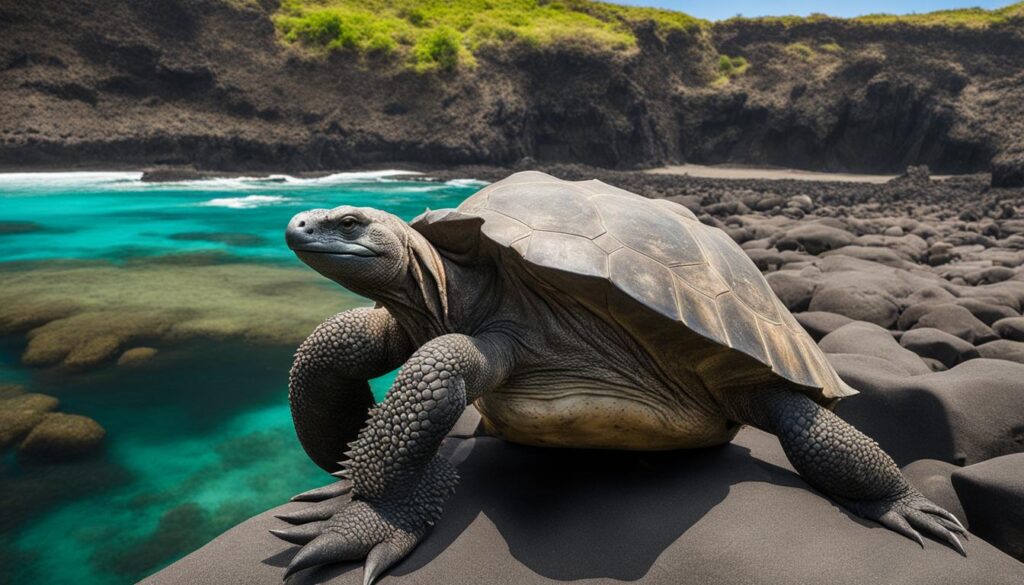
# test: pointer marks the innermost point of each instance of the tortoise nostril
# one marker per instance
(302, 224)
(309, 230)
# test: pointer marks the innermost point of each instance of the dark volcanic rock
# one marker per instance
(1003, 349)
(792, 289)
(939, 345)
(992, 494)
(528, 515)
(958, 321)
(821, 323)
(1011, 328)
(968, 414)
(223, 92)
(933, 478)
(867, 339)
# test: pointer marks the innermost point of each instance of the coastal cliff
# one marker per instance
(218, 84)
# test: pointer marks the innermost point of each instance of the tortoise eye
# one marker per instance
(348, 223)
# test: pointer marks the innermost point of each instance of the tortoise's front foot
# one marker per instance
(382, 534)
(338, 528)
(910, 512)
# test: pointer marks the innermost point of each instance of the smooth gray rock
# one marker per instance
(966, 415)
(721, 516)
(792, 289)
(932, 478)
(958, 321)
(1003, 349)
(992, 494)
(863, 338)
(820, 323)
(1011, 328)
(948, 349)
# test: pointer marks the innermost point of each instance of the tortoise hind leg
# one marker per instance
(845, 464)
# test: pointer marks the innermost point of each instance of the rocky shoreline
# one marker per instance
(913, 288)
(210, 84)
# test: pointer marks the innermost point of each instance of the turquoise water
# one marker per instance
(201, 438)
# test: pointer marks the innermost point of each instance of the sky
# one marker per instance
(719, 9)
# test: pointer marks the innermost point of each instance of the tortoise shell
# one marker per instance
(656, 255)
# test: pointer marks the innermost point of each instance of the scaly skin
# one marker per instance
(842, 462)
(397, 481)
(327, 386)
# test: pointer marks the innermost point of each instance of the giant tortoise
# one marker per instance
(572, 314)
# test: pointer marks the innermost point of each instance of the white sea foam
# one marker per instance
(132, 180)
(285, 181)
(50, 180)
(247, 202)
(466, 183)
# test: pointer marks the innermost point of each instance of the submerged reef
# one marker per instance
(83, 314)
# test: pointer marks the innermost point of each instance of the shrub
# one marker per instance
(438, 50)
(800, 51)
(732, 66)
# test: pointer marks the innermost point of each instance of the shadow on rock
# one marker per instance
(554, 505)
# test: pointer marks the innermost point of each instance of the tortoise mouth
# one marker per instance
(334, 249)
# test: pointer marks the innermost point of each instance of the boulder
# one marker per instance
(868, 339)
(523, 515)
(792, 289)
(958, 321)
(992, 495)
(1003, 349)
(948, 349)
(962, 416)
(1011, 328)
(62, 436)
(814, 238)
(820, 323)
(933, 478)
(987, 313)
(860, 303)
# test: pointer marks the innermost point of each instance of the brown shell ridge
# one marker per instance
(717, 297)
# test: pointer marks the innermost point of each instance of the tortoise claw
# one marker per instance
(331, 490)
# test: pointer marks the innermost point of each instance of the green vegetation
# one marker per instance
(832, 48)
(445, 34)
(732, 66)
(801, 51)
(729, 67)
(963, 17)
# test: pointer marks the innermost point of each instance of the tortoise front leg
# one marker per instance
(399, 481)
(842, 462)
(327, 387)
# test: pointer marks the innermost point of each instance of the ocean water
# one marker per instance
(198, 440)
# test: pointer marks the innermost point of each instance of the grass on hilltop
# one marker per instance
(445, 34)
(961, 17)
(965, 17)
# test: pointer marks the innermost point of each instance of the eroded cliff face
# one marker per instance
(207, 83)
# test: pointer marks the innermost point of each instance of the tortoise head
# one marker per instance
(372, 253)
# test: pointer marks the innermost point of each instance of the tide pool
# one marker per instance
(200, 437)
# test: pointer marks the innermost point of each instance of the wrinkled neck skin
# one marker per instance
(435, 295)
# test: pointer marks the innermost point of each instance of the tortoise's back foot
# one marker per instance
(911, 513)
(842, 462)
